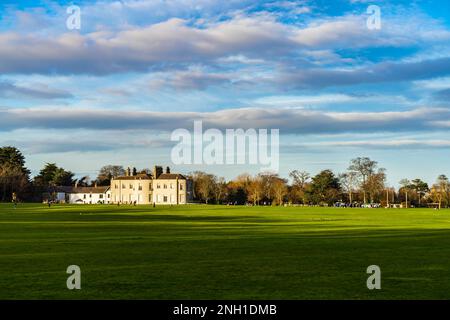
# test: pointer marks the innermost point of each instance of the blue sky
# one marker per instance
(113, 91)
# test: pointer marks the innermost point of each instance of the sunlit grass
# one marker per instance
(220, 252)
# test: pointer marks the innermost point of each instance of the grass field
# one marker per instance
(218, 252)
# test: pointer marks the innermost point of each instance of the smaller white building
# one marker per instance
(83, 195)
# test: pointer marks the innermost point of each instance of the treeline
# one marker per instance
(363, 182)
(16, 184)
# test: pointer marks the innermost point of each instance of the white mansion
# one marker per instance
(140, 188)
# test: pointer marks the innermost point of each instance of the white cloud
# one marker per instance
(396, 144)
(288, 120)
(176, 42)
(328, 99)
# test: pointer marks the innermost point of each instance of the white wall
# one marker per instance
(89, 198)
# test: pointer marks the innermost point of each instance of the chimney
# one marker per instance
(76, 183)
(157, 171)
(167, 170)
(128, 173)
(95, 185)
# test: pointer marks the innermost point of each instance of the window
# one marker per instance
(123, 186)
(150, 186)
(116, 186)
(101, 196)
(131, 186)
(165, 186)
(165, 199)
(181, 187)
(158, 186)
(84, 196)
(90, 195)
(149, 198)
(140, 187)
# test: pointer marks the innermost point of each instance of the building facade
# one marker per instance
(89, 195)
(155, 188)
(132, 188)
(79, 195)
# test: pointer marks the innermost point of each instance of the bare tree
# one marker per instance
(267, 180)
(299, 183)
(220, 189)
(443, 186)
(375, 184)
(299, 178)
(405, 186)
(204, 185)
(349, 181)
(280, 190)
(365, 168)
(108, 172)
(255, 190)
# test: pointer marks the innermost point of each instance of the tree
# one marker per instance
(237, 189)
(442, 189)
(255, 190)
(220, 190)
(420, 187)
(405, 187)
(83, 181)
(375, 184)
(14, 176)
(108, 172)
(51, 175)
(12, 181)
(280, 190)
(365, 168)
(204, 185)
(324, 188)
(297, 194)
(348, 182)
(299, 183)
(267, 180)
(299, 178)
(13, 157)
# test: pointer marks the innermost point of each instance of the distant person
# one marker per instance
(14, 199)
(154, 204)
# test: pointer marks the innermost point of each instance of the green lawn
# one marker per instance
(218, 252)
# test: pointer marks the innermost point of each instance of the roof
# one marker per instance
(82, 189)
(139, 176)
(171, 176)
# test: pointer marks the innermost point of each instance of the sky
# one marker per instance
(113, 91)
